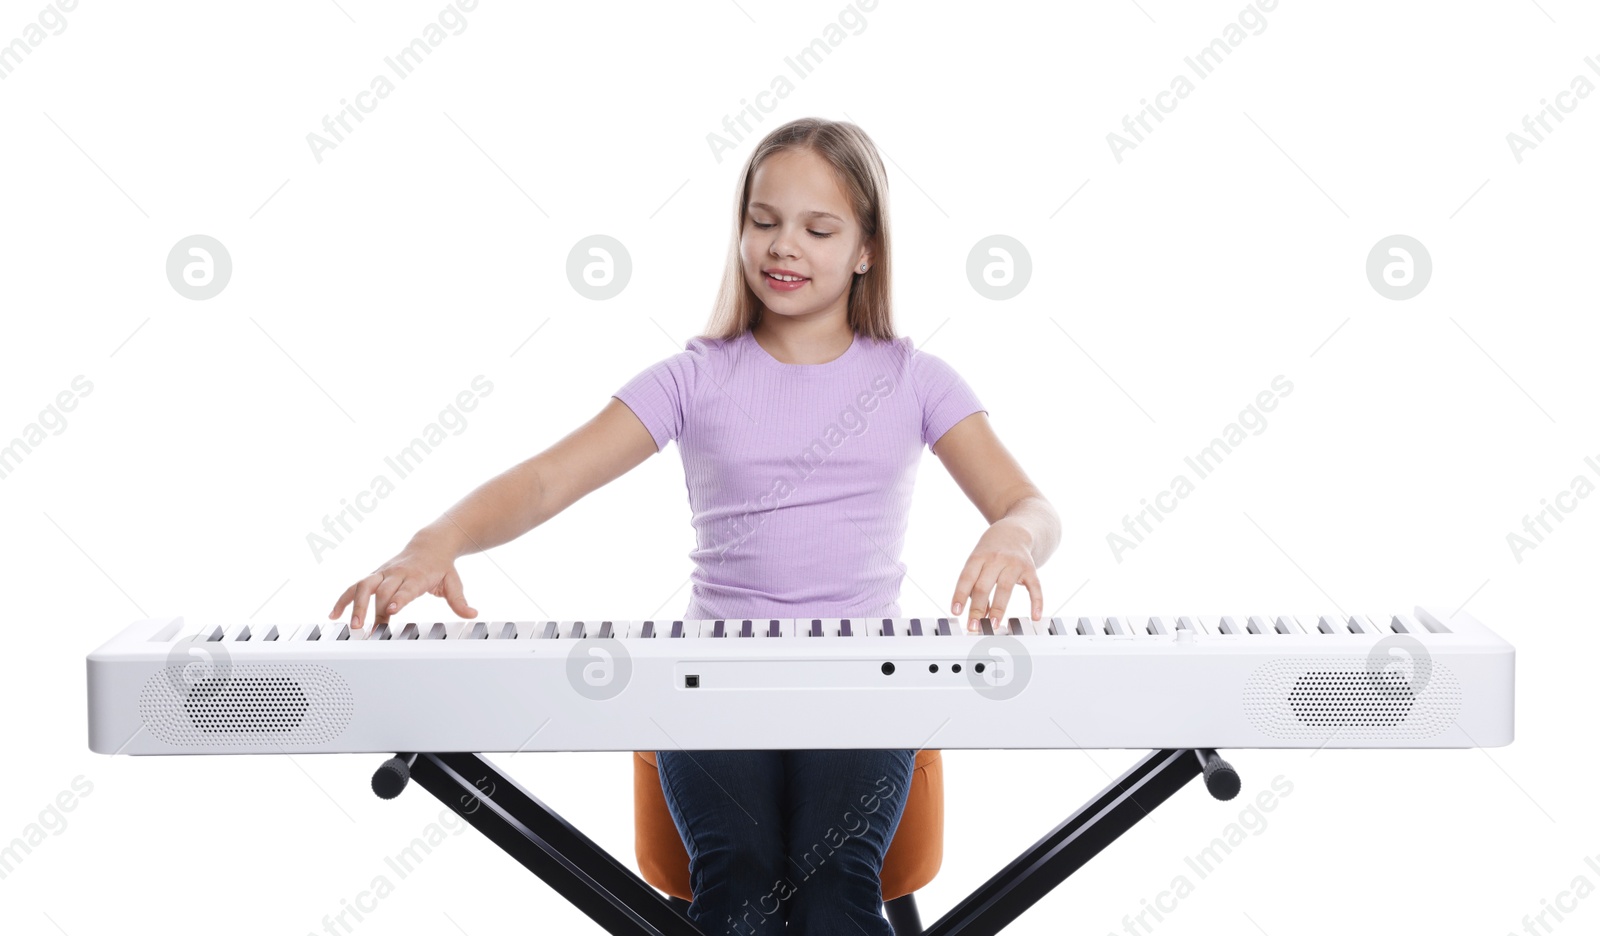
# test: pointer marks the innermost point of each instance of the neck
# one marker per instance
(797, 341)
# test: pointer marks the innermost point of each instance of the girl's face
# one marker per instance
(800, 224)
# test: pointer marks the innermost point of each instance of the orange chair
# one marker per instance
(913, 858)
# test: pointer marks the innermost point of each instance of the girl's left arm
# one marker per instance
(1023, 527)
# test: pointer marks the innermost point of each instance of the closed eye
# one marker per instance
(812, 233)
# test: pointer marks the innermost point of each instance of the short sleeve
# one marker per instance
(659, 394)
(946, 399)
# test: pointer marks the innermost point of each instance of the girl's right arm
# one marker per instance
(500, 510)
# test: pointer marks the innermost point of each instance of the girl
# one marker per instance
(800, 418)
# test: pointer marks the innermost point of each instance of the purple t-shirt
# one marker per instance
(799, 475)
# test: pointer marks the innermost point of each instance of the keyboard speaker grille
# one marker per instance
(1340, 698)
(247, 704)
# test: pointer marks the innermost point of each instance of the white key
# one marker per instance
(1286, 624)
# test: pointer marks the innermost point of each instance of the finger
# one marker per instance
(453, 594)
(363, 592)
(1002, 596)
(387, 599)
(980, 595)
(969, 575)
(409, 590)
(1035, 593)
(344, 599)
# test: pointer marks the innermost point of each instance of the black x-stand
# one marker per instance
(621, 902)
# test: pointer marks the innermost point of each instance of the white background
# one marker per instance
(1168, 290)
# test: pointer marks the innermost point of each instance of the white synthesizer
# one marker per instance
(1420, 680)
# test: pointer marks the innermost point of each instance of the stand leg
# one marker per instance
(621, 902)
(549, 846)
(1067, 847)
(903, 916)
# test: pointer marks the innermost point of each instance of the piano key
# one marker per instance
(747, 628)
(1360, 624)
(549, 630)
(1288, 625)
(1086, 627)
(605, 629)
(1327, 624)
(271, 633)
(844, 628)
(435, 631)
(1185, 622)
(208, 632)
(814, 629)
(410, 632)
(235, 632)
(308, 632)
(1228, 625)
(647, 630)
(186, 631)
(943, 629)
(985, 627)
(1058, 627)
(1256, 625)
(1158, 626)
(886, 627)
(1117, 625)
(677, 629)
(504, 630)
(1406, 624)
(575, 630)
(774, 628)
(1432, 623)
(717, 628)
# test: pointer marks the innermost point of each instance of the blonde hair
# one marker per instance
(854, 158)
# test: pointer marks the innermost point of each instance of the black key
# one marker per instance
(649, 629)
(888, 627)
(1015, 625)
(816, 627)
(916, 627)
(507, 631)
(944, 627)
(605, 628)
(576, 631)
(986, 627)
(381, 632)
(677, 628)
(409, 632)
(774, 629)
(844, 627)
(716, 629)
(746, 630)
(550, 630)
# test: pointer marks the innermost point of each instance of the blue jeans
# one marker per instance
(796, 836)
